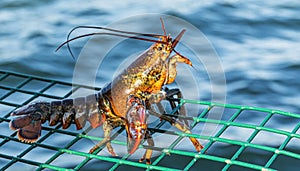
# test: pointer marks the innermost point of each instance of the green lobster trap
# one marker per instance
(261, 146)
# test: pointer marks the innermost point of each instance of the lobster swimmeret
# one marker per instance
(123, 102)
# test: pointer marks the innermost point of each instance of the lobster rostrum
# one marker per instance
(125, 101)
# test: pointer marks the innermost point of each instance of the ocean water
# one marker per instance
(255, 42)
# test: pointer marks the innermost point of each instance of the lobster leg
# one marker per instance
(148, 152)
(182, 127)
(170, 93)
(107, 128)
(185, 129)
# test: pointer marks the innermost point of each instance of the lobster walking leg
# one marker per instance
(107, 128)
(184, 129)
(170, 93)
(148, 152)
(179, 126)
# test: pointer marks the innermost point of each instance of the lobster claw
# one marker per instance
(136, 123)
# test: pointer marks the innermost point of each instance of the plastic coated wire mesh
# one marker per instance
(261, 146)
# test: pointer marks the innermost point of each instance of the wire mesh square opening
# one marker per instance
(11, 81)
(269, 139)
(47, 153)
(72, 160)
(180, 162)
(21, 166)
(293, 145)
(206, 164)
(58, 89)
(255, 156)
(251, 117)
(58, 140)
(239, 168)
(280, 163)
(286, 123)
(35, 86)
(13, 148)
(18, 98)
(223, 150)
(94, 164)
(237, 133)
(3, 162)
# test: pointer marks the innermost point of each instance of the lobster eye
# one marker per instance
(159, 48)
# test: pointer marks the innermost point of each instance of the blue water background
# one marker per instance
(257, 41)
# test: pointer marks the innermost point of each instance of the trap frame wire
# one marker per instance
(19, 89)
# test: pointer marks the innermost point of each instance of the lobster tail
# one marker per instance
(79, 110)
(62, 111)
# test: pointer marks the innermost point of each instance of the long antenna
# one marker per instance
(115, 30)
(113, 34)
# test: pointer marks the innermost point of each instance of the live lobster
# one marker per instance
(124, 102)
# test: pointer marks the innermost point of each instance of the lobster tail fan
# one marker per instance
(20, 122)
(28, 130)
(28, 121)
(30, 133)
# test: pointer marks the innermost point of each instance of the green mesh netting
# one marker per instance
(263, 145)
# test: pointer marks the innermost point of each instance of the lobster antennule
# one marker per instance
(176, 40)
